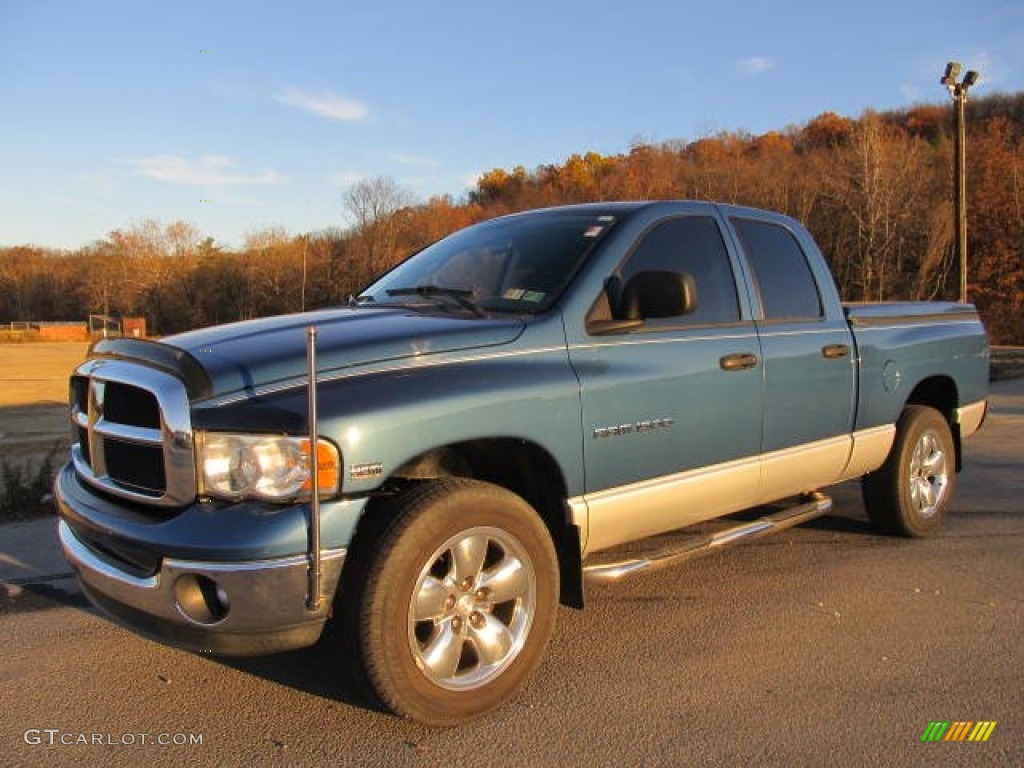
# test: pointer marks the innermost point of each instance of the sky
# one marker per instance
(239, 116)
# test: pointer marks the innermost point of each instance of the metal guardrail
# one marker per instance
(1006, 363)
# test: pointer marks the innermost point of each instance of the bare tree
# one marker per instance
(271, 271)
(372, 204)
(877, 182)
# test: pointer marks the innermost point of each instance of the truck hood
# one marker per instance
(257, 353)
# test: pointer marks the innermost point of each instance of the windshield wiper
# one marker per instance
(459, 295)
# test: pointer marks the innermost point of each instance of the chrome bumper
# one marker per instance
(247, 608)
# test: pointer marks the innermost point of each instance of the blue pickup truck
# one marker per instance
(486, 424)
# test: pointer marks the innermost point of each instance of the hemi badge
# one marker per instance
(366, 471)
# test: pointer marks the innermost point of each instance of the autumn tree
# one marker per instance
(874, 191)
(996, 227)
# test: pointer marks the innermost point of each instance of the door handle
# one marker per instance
(834, 351)
(737, 362)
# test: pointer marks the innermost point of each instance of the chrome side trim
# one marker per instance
(263, 594)
(870, 449)
(970, 417)
(903, 320)
(702, 545)
(634, 342)
(766, 331)
(897, 324)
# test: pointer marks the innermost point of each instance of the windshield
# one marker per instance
(518, 264)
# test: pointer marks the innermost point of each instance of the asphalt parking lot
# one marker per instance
(824, 645)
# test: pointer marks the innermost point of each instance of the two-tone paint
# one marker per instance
(623, 433)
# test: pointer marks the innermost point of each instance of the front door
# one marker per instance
(672, 410)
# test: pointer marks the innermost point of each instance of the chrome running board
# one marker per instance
(606, 573)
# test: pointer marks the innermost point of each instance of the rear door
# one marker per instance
(807, 347)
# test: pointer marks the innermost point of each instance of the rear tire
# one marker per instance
(909, 494)
(458, 603)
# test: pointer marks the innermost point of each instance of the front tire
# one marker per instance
(909, 494)
(457, 607)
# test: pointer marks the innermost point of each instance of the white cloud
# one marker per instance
(754, 65)
(103, 183)
(245, 202)
(323, 103)
(207, 171)
(419, 160)
(346, 179)
(991, 72)
(419, 185)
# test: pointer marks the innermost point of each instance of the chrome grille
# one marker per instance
(131, 432)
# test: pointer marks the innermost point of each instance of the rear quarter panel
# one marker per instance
(902, 345)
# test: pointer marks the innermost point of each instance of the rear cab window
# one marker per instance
(782, 276)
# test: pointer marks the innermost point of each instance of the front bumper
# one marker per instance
(236, 608)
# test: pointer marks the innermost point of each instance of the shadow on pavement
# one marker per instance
(40, 596)
(323, 670)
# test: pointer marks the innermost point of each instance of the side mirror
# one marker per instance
(657, 294)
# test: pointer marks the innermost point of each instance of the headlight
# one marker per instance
(269, 467)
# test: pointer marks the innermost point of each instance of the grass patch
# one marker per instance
(26, 487)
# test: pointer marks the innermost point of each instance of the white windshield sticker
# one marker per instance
(521, 294)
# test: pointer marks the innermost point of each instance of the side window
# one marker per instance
(784, 280)
(691, 244)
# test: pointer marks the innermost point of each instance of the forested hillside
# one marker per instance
(875, 191)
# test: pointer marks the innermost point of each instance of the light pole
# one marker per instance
(958, 92)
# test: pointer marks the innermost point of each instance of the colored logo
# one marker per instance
(959, 730)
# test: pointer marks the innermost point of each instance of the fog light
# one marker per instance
(200, 599)
(222, 598)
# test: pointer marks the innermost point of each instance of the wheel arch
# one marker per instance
(942, 394)
(518, 465)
